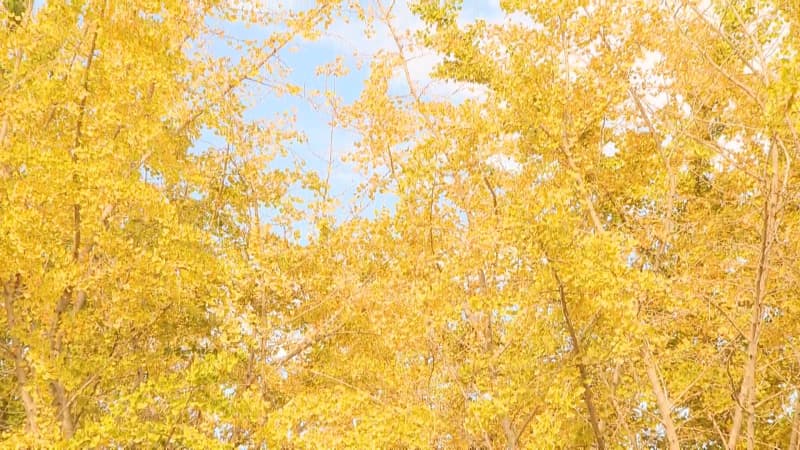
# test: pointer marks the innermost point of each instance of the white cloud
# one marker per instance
(686, 110)
(504, 163)
(353, 38)
(717, 162)
(523, 20)
(491, 12)
(649, 61)
(764, 142)
(657, 101)
(735, 145)
(609, 149)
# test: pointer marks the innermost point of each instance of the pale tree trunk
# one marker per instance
(56, 387)
(794, 441)
(11, 291)
(64, 414)
(746, 398)
(509, 432)
(662, 399)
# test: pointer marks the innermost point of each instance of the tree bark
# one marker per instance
(64, 414)
(746, 398)
(662, 399)
(794, 441)
(509, 432)
(11, 290)
(588, 397)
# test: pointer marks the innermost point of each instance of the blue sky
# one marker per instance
(349, 41)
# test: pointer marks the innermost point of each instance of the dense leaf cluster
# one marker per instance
(598, 249)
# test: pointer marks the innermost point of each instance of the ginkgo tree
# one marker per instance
(124, 238)
(597, 250)
(597, 237)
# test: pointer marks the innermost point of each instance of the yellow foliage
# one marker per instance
(597, 250)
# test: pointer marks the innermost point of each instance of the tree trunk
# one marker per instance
(588, 397)
(794, 441)
(746, 399)
(64, 415)
(11, 291)
(662, 398)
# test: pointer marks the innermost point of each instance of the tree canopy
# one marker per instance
(597, 249)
